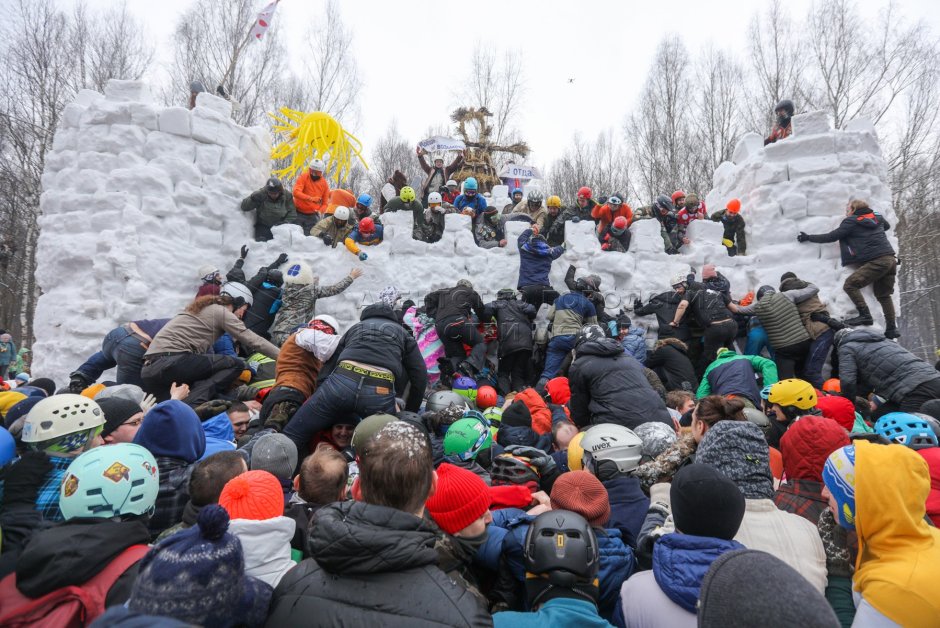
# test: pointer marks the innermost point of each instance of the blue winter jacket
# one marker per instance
(220, 436)
(628, 506)
(556, 612)
(634, 344)
(535, 260)
(680, 562)
(520, 435)
(616, 565)
(476, 202)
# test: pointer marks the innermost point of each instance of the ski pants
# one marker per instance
(457, 331)
(880, 273)
(209, 376)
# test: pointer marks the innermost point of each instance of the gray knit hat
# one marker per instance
(276, 454)
(745, 588)
(738, 449)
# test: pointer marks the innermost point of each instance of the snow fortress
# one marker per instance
(137, 197)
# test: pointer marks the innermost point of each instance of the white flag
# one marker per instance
(263, 21)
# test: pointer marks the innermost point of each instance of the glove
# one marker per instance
(244, 251)
(835, 542)
(564, 246)
(363, 257)
(637, 304)
(539, 459)
(23, 480)
(802, 237)
(327, 240)
(659, 494)
(605, 246)
(279, 261)
(209, 409)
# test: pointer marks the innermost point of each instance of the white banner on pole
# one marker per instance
(440, 143)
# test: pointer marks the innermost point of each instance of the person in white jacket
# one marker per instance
(738, 450)
(255, 503)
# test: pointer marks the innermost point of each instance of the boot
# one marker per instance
(863, 318)
(891, 330)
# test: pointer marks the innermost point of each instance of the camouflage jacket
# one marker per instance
(667, 463)
(298, 305)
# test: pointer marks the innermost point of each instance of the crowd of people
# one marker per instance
(450, 462)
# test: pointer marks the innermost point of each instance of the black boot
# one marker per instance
(863, 318)
(891, 330)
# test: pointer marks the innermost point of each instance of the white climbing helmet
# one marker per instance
(237, 291)
(341, 213)
(60, 415)
(317, 165)
(434, 199)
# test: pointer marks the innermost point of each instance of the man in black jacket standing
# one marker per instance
(451, 310)
(372, 364)
(373, 560)
(862, 242)
(514, 322)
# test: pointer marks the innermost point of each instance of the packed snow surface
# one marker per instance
(137, 197)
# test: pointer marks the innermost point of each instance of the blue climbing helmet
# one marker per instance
(470, 184)
(364, 199)
(7, 447)
(517, 191)
(906, 429)
(110, 481)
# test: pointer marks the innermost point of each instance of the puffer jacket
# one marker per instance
(861, 237)
(663, 306)
(890, 369)
(781, 320)
(570, 312)
(541, 413)
(670, 360)
(378, 339)
(514, 321)
(535, 260)
(680, 562)
(372, 566)
(634, 344)
(608, 386)
(733, 374)
(806, 297)
(604, 215)
(454, 302)
(271, 212)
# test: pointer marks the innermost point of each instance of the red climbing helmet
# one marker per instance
(584, 192)
(367, 225)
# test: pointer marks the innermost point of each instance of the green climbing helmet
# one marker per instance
(467, 437)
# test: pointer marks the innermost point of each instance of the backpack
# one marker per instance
(69, 606)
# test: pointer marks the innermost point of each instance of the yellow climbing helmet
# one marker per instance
(576, 453)
(553, 201)
(407, 194)
(795, 393)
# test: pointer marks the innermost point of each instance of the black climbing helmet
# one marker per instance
(561, 545)
(663, 202)
(764, 290)
(274, 185)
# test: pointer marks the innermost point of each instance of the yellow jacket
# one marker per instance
(898, 566)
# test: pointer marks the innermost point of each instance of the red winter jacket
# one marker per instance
(807, 444)
(932, 456)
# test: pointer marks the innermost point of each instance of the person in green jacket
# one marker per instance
(733, 374)
(273, 208)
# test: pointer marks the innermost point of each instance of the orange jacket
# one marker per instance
(297, 368)
(310, 197)
(604, 216)
(338, 197)
(541, 415)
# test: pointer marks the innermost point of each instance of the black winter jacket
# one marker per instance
(453, 302)
(372, 566)
(888, 368)
(707, 305)
(671, 362)
(379, 339)
(514, 321)
(861, 237)
(608, 386)
(664, 306)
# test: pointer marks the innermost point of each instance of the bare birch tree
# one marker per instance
(777, 62)
(602, 165)
(496, 81)
(332, 82)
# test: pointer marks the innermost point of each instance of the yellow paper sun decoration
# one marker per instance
(316, 134)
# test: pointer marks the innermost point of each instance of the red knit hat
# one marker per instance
(581, 492)
(460, 499)
(255, 495)
(839, 409)
(559, 390)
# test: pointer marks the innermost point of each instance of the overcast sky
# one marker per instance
(413, 54)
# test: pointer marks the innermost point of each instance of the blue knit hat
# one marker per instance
(839, 477)
(173, 430)
(198, 576)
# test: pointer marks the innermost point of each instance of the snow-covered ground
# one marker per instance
(138, 197)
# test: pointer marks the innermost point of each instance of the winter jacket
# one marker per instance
(891, 370)
(789, 537)
(73, 552)
(331, 231)
(266, 546)
(634, 344)
(456, 302)
(780, 319)
(271, 212)
(196, 333)
(541, 414)
(569, 313)
(861, 237)
(806, 297)
(437, 176)
(608, 386)
(733, 225)
(488, 234)
(898, 564)
(311, 197)
(299, 368)
(172, 495)
(663, 306)
(554, 227)
(535, 260)
(535, 216)
(523, 435)
(267, 301)
(706, 304)
(378, 339)
(7, 354)
(604, 215)
(670, 360)
(932, 456)
(475, 203)
(628, 506)
(299, 304)
(514, 321)
(220, 435)
(356, 237)
(429, 343)
(372, 566)
(779, 132)
(733, 374)
(680, 562)
(555, 612)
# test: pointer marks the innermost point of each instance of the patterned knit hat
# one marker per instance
(656, 438)
(255, 495)
(460, 499)
(276, 454)
(839, 476)
(738, 449)
(198, 576)
(390, 296)
(581, 492)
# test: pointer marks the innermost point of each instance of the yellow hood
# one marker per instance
(898, 564)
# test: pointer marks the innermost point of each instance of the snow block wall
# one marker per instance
(138, 197)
